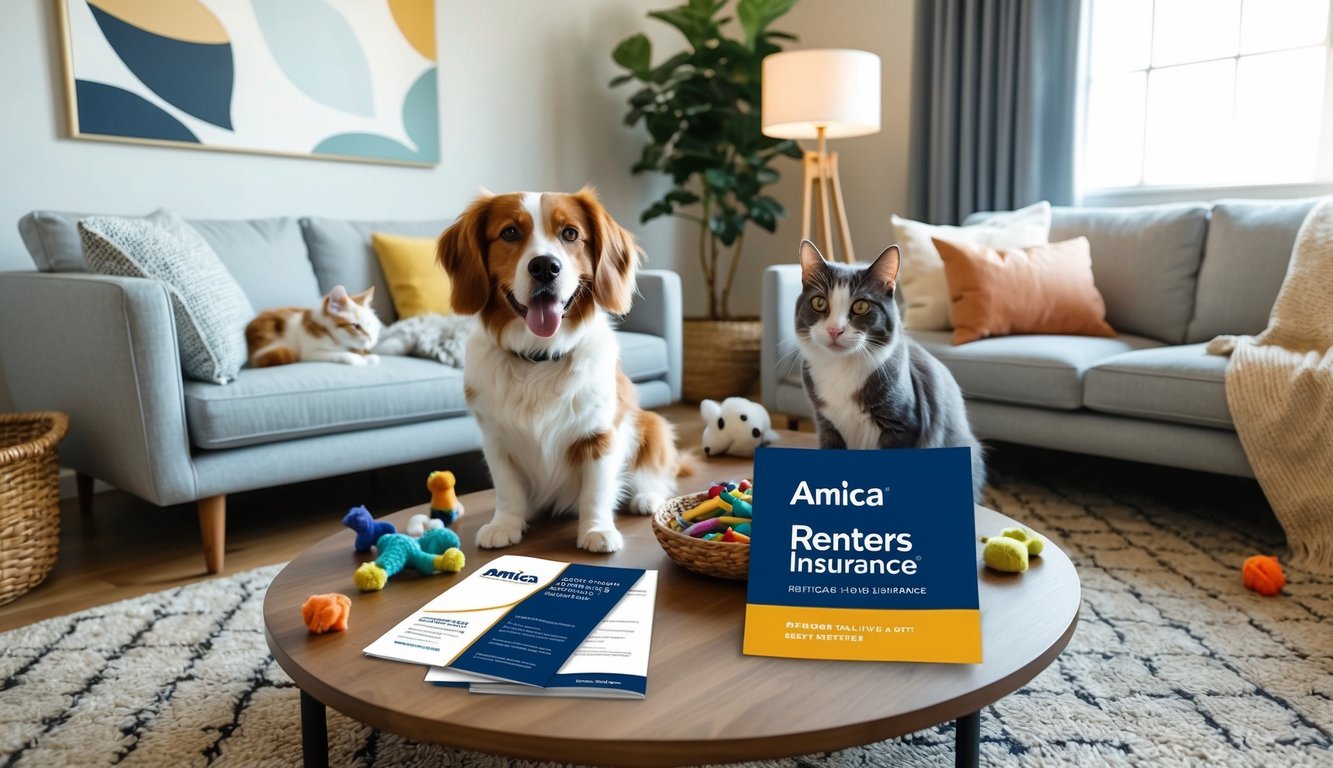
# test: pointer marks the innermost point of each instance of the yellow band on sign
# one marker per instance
(861, 634)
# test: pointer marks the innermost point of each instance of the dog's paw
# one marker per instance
(499, 534)
(605, 540)
(646, 503)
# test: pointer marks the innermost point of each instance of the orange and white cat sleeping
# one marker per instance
(342, 329)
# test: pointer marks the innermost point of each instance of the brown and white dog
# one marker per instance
(561, 425)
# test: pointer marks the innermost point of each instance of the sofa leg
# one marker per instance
(83, 486)
(793, 423)
(213, 530)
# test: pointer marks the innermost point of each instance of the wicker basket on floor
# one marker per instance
(29, 499)
(723, 559)
(721, 358)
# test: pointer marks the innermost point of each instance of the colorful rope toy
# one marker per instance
(435, 552)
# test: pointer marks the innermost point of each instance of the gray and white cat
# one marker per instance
(870, 384)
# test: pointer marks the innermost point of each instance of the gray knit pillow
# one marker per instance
(211, 311)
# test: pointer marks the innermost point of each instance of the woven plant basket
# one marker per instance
(721, 359)
(29, 499)
(723, 559)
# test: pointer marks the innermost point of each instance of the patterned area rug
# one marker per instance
(1173, 663)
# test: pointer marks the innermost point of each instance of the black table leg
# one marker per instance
(967, 741)
(315, 733)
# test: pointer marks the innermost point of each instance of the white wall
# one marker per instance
(524, 105)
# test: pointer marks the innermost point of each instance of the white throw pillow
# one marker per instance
(210, 308)
(924, 290)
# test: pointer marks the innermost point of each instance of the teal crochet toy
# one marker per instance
(435, 552)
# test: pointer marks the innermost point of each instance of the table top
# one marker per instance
(706, 701)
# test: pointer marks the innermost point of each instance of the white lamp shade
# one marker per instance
(834, 88)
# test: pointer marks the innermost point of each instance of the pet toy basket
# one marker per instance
(723, 559)
(29, 499)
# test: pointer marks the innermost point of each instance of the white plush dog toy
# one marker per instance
(736, 426)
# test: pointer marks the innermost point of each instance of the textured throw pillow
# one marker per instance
(1038, 289)
(417, 284)
(210, 308)
(921, 276)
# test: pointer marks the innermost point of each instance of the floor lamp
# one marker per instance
(822, 94)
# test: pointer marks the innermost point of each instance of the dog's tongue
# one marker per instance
(544, 316)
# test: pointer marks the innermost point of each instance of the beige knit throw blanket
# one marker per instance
(1279, 388)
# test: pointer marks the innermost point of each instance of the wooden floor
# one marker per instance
(128, 547)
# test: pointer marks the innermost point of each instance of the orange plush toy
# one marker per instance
(326, 613)
(1263, 574)
(443, 501)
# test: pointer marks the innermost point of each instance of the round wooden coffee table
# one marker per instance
(706, 703)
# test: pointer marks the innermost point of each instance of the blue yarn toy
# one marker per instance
(368, 530)
(435, 552)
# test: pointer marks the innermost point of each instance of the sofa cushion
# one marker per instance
(1182, 384)
(1045, 288)
(52, 240)
(210, 309)
(268, 405)
(1145, 262)
(1248, 248)
(643, 357)
(417, 283)
(1045, 371)
(266, 256)
(341, 253)
(923, 287)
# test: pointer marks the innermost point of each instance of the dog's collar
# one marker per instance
(538, 356)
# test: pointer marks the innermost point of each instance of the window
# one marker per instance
(1198, 93)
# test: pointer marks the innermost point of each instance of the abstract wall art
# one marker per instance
(344, 79)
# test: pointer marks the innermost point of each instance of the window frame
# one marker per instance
(1147, 194)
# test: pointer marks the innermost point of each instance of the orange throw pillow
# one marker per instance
(1036, 289)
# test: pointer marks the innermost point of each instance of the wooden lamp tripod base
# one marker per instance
(823, 185)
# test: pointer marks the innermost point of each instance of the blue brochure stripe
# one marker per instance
(635, 683)
(531, 642)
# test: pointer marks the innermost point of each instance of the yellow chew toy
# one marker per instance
(1005, 554)
(1010, 550)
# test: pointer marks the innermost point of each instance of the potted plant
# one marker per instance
(701, 109)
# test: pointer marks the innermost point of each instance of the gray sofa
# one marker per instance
(103, 350)
(1173, 277)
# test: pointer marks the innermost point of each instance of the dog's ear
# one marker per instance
(462, 253)
(615, 255)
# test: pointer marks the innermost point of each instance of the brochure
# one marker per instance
(864, 555)
(611, 663)
(516, 619)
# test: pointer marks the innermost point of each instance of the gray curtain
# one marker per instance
(994, 89)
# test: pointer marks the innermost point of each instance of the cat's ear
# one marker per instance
(337, 300)
(885, 268)
(461, 251)
(811, 260)
(365, 297)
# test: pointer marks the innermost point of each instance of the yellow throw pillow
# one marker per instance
(417, 284)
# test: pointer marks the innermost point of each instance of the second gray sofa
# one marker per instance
(1173, 277)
